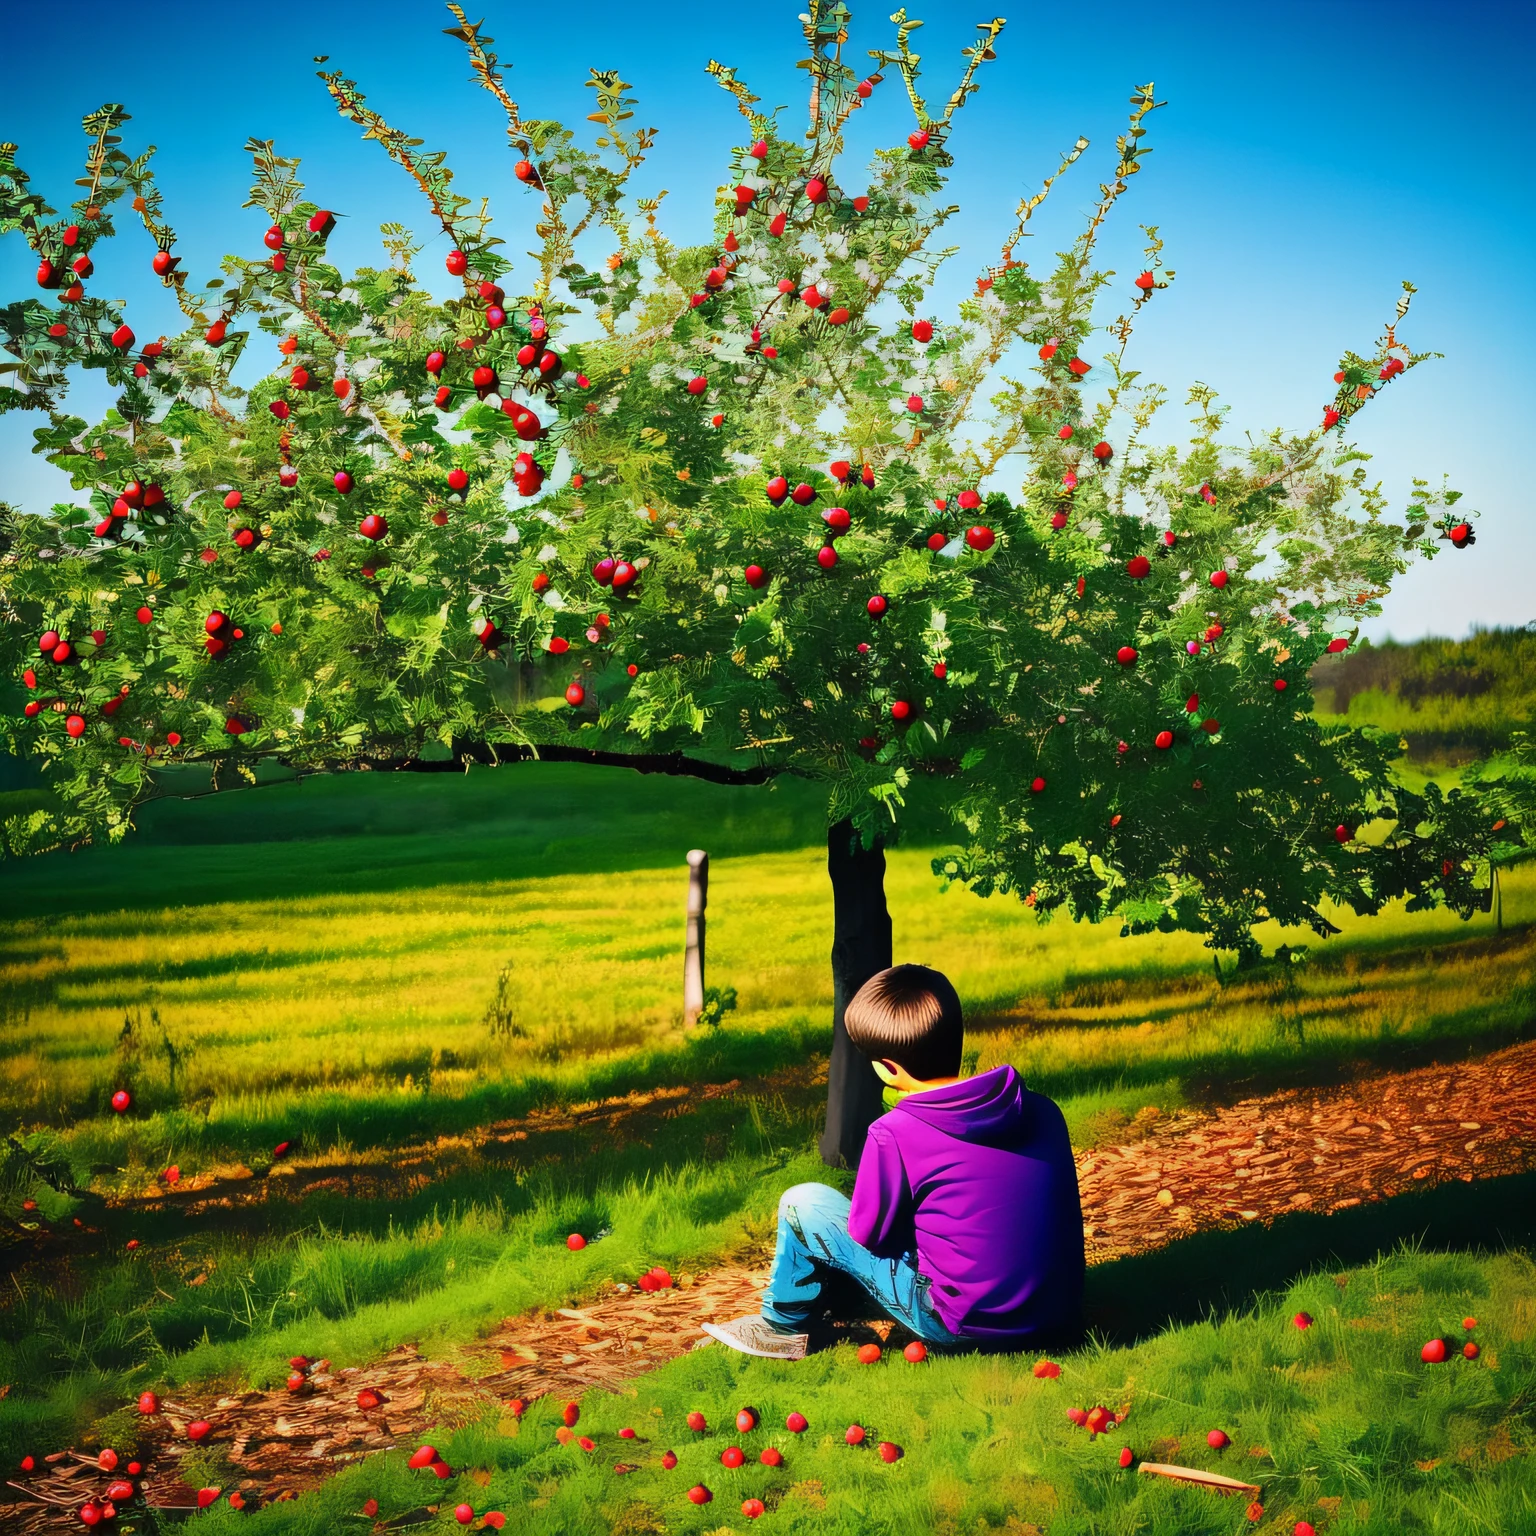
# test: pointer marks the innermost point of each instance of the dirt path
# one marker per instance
(1322, 1150)
(385, 1173)
(1312, 1150)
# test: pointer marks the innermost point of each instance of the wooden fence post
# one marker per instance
(693, 957)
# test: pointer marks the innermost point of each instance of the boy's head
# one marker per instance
(909, 1015)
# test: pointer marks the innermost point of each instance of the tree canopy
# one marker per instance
(738, 508)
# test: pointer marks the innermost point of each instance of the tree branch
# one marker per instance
(674, 763)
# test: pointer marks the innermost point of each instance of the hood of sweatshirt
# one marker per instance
(984, 1108)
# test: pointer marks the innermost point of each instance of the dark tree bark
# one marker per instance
(861, 946)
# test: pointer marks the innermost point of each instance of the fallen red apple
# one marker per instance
(464, 1514)
(1218, 1440)
(570, 1414)
(575, 1242)
(916, 1352)
(107, 1460)
(746, 1421)
(669, 1459)
(1470, 1350)
(368, 1399)
(1047, 1370)
(732, 1456)
(796, 1424)
(422, 1457)
(696, 1421)
(148, 1403)
(699, 1494)
(752, 1508)
(889, 1452)
(1126, 1458)
(199, 1429)
(1469, 1323)
(772, 1456)
(854, 1434)
(1303, 1320)
(1433, 1352)
(868, 1354)
(121, 1100)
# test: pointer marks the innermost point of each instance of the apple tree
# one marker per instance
(732, 509)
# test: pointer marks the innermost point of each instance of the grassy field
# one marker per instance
(317, 961)
(1339, 1424)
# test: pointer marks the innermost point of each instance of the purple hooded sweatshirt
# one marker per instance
(978, 1177)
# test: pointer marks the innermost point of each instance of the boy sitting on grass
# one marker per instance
(965, 1224)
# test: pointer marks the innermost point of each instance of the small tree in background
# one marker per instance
(729, 510)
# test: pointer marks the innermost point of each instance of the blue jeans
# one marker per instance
(813, 1237)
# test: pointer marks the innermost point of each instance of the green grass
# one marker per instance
(1340, 1424)
(352, 1013)
(320, 957)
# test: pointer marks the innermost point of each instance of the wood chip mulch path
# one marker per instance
(1317, 1150)
(1312, 1150)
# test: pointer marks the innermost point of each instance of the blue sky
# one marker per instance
(1310, 157)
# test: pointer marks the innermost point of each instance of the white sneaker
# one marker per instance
(755, 1335)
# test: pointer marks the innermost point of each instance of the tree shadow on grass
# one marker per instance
(351, 834)
(1227, 1271)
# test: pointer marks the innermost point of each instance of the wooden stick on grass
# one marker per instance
(1212, 1480)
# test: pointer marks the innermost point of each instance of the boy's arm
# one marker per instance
(881, 1215)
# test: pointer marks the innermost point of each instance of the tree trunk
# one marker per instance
(861, 946)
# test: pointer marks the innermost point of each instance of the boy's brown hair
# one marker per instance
(910, 1015)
